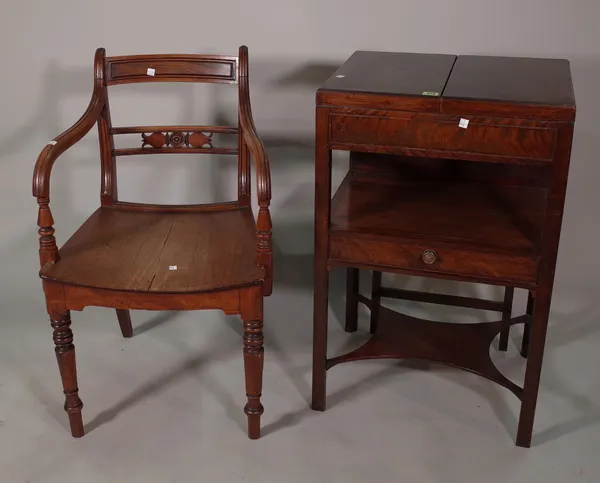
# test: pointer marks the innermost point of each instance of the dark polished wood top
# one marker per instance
(526, 88)
(392, 73)
(511, 80)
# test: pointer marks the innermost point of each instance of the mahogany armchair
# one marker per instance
(160, 257)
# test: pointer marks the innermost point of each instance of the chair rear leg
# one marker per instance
(65, 355)
(125, 323)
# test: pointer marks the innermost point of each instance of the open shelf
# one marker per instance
(488, 217)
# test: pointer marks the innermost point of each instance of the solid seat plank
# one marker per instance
(130, 250)
(113, 249)
(214, 250)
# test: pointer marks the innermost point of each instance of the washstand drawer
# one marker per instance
(433, 259)
(430, 132)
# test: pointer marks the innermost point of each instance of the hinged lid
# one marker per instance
(465, 85)
(389, 74)
(510, 87)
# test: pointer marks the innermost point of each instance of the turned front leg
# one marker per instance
(253, 367)
(65, 355)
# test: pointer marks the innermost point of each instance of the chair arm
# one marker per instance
(45, 161)
(264, 247)
(255, 146)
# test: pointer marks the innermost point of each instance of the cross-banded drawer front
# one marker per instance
(435, 135)
(448, 261)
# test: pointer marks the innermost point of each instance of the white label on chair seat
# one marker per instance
(464, 123)
(150, 71)
(172, 267)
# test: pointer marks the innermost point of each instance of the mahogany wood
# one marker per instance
(125, 323)
(426, 196)
(158, 252)
(175, 139)
(227, 205)
(352, 293)
(527, 326)
(251, 307)
(354, 85)
(504, 219)
(65, 355)
(138, 151)
(506, 313)
(443, 299)
(364, 300)
(522, 88)
(156, 257)
(321, 274)
(145, 129)
(435, 135)
(376, 294)
(403, 337)
(171, 68)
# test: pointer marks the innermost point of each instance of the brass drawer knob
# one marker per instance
(429, 257)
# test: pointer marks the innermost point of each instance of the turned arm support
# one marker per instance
(46, 159)
(263, 172)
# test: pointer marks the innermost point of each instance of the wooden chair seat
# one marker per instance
(139, 251)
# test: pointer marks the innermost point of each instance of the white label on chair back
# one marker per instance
(150, 71)
(464, 123)
(52, 143)
(172, 267)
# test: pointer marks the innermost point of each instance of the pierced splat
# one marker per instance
(177, 139)
(200, 140)
(156, 140)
